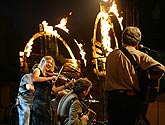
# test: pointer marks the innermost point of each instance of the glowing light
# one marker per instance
(82, 52)
(62, 24)
(21, 53)
(113, 9)
(48, 30)
(105, 0)
(108, 8)
(106, 25)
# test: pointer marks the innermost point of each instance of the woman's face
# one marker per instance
(48, 64)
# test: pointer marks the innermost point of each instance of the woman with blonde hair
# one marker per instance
(44, 86)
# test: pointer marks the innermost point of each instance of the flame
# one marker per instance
(48, 30)
(106, 25)
(62, 24)
(82, 52)
(28, 47)
(21, 54)
(113, 9)
(105, 0)
(108, 8)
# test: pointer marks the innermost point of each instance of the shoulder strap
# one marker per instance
(129, 56)
(132, 60)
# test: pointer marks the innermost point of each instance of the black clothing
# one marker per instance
(41, 113)
(124, 107)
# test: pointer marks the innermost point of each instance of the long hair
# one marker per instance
(41, 64)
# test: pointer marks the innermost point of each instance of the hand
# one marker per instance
(70, 83)
(53, 78)
(62, 92)
(85, 117)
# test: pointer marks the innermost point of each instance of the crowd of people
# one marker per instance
(121, 82)
(36, 90)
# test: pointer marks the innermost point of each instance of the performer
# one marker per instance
(44, 86)
(124, 104)
(25, 97)
(71, 108)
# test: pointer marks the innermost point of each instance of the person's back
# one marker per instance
(124, 102)
(25, 98)
(64, 105)
(70, 108)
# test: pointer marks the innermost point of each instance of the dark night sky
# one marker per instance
(19, 20)
(22, 17)
(28, 14)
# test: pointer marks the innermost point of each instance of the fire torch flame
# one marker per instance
(62, 26)
(82, 52)
(48, 30)
(106, 25)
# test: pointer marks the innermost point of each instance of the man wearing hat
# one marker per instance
(121, 81)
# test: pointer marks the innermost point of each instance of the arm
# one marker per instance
(157, 71)
(75, 117)
(27, 82)
(30, 87)
(66, 85)
(36, 76)
(57, 89)
(154, 67)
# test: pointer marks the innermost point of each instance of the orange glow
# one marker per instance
(48, 30)
(62, 24)
(113, 9)
(82, 52)
(106, 25)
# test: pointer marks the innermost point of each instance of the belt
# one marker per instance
(128, 92)
(26, 93)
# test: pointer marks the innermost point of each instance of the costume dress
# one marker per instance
(41, 113)
(25, 100)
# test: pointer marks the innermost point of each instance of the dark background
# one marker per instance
(19, 21)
